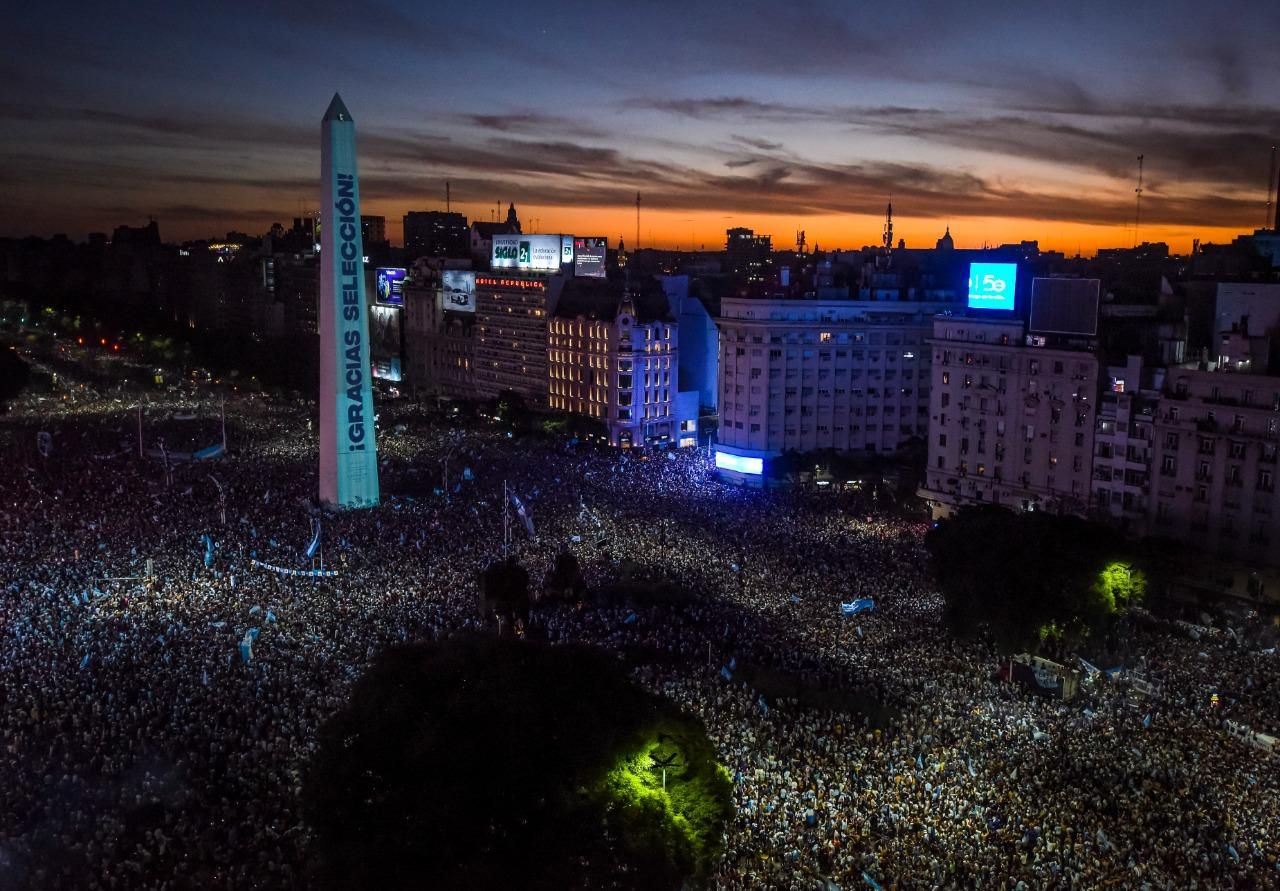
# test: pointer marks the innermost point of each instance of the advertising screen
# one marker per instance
(1065, 306)
(531, 253)
(566, 249)
(753, 466)
(589, 256)
(992, 285)
(390, 288)
(458, 290)
(384, 342)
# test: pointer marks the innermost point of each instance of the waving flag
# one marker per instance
(315, 538)
(861, 605)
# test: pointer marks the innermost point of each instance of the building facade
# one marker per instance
(612, 355)
(435, 233)
(805, 375)
(1213, 460)
(511, 334)
(1009, 423)
(439, 343)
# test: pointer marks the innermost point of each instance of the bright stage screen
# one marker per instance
(992, 285)
(753, 466)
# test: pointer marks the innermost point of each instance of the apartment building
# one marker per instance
(439, 342)
(805, 375)
(1213, 462)
(612, 355)
(1127, 410)
(512, 311)
(1011, 421)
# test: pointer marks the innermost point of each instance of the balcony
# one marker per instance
(1204, 425)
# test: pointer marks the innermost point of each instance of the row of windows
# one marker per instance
(739, 335)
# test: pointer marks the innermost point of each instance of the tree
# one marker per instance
(565, 578)
(504, 587)
(1027, 577)
(480, 763)
(15, 374)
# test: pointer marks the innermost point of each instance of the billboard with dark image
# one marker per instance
(589, 256)
(385, 342)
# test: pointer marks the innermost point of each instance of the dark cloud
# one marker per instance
(763, 144)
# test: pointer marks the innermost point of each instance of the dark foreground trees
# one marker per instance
(1028, 577)
(480, 763)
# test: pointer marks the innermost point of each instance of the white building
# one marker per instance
(805, 375)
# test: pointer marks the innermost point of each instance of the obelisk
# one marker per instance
(348, 453)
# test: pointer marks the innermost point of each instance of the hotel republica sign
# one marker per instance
(348, 453)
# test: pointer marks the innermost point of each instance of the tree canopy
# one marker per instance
(480, 763)
(1028, 576)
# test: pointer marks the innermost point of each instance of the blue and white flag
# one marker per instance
(725, 673)
(271, 617)
(467, 474)
(872, 883)
(254, 610)
(315, 538)
(1235, 855)
(919, 761)
(764, 706)
(523, 513)
(1146, 722)
(208, 549)
(631, 617)
(84, 663)
(861, 605)
(795, 598)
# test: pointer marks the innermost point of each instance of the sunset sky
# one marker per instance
(1004, 120)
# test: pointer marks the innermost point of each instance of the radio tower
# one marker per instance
(1271, 178)
(1137, 212)
(888, 227)
(637, 247)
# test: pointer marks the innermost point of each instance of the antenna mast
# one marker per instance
(448, 206)
(888, 227)
(1271, 205)
(1137, 212)
(637, 247)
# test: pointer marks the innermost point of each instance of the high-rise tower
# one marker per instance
(348, 453)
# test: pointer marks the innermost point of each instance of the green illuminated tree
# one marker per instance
(479, 763)
(1031, 578)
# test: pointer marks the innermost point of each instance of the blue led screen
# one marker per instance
(992, 285)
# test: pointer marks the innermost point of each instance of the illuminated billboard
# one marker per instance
(385, 342)
(531, 253)
(390, 288)
(739, 463)
(589, 256)
(566, 250)
(458, 290)
(991, 285)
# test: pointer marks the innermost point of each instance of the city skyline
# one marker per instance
(1002, 124)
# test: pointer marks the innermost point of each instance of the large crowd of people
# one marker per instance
(149, 740)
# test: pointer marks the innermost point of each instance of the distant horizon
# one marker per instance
(82, 238)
